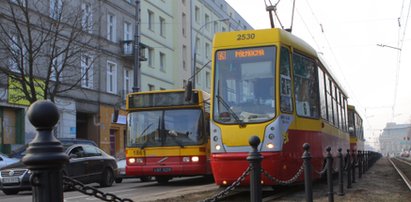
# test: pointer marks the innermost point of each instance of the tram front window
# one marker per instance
(165, 128)
(244, 87)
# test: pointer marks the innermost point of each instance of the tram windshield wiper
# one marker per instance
(230, 111)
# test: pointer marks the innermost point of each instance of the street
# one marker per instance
(131, 188)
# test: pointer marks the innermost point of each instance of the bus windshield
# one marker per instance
(165, 128)
(244, 85)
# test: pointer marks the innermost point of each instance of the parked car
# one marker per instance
(87, 163)
(5, 160)
(66, 142)
(121, 164)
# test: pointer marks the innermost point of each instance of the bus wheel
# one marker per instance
(163, 179)
(145, 179)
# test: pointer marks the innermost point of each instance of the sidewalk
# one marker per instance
(380, 183)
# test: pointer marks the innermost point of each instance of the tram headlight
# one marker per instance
(195, 159)
(218, 147)
(270, 145)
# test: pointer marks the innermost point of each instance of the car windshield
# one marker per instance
(244, 85)
(178, 127)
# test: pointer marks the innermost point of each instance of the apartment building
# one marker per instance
(101, 69)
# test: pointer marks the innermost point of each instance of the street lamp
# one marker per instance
(195, 48)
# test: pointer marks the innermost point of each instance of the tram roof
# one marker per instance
(265, 37)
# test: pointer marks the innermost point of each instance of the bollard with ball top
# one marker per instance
(45, 155)
(255, 158)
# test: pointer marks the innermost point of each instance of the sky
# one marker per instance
(377, 78)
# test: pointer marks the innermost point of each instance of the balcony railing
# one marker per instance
(127, 50)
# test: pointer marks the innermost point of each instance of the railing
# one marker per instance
(45, 158)
(359, 161)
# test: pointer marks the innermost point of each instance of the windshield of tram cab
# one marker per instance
(244, 85)
(180, 127)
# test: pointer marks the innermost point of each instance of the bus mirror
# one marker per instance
(188, 91)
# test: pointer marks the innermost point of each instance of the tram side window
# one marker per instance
(321, 86)
(285, 84)
(328, 87)
(305, 86)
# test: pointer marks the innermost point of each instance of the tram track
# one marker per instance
(403, 167)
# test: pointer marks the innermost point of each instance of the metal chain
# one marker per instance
(91, 191)
(284, 182)
(322, 171)
(227, 190)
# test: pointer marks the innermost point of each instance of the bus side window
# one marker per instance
(285, 81)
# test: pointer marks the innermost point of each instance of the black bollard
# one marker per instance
(307, 173)
(340, 173)
(360, 159)
(348, 169)
(354, 162)
(255, 158)
(45, 155)
(330, 175)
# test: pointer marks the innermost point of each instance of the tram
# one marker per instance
(271, 84)
(355, 127)
(168, 134)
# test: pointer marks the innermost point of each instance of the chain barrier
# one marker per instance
(230, 188)
(284, 182)
(323, 170)
(91, 191)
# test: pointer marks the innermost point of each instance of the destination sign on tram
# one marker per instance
(244, 53)
(160, 100)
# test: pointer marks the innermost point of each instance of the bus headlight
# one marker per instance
(186, 159)
(270, 145)
(195, 159)
(131, 160)
(218, 147)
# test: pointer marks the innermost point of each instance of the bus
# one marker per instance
(355, 127)
(168, 134)
(271, 84)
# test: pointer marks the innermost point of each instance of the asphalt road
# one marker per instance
(130, 188)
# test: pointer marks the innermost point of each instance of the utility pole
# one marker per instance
(137, 32)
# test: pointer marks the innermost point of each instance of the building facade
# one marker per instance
(395, 138)
(102, 68)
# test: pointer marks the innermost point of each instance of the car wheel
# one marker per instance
(146, 178)
(107, 178)
(119, 180)
(10, 191)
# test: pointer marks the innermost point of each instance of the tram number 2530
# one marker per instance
(245, 36)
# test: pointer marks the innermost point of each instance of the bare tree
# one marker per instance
(43, 46)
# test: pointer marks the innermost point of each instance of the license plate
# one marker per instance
(9, 180)
(162, 170)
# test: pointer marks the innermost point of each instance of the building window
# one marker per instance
(151, 87)
(207, 51)
(56, 7)
(128, 47)
(162, 62)
(87, 17)
(111, 27)
(56, 65)
(215, 26)
(197, 14)
(162, 26)
(87, 71)
(127, 86)
(184, 52)
(197, 44)
(150, 57)
(150, 20)
(208, 80)
(18, 55)
(184, 24)
(206, 21)
(111, 77)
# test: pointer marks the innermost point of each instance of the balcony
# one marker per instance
(128, 53)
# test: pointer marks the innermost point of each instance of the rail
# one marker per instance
(403, 167)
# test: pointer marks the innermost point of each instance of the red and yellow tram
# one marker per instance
(271, 84)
